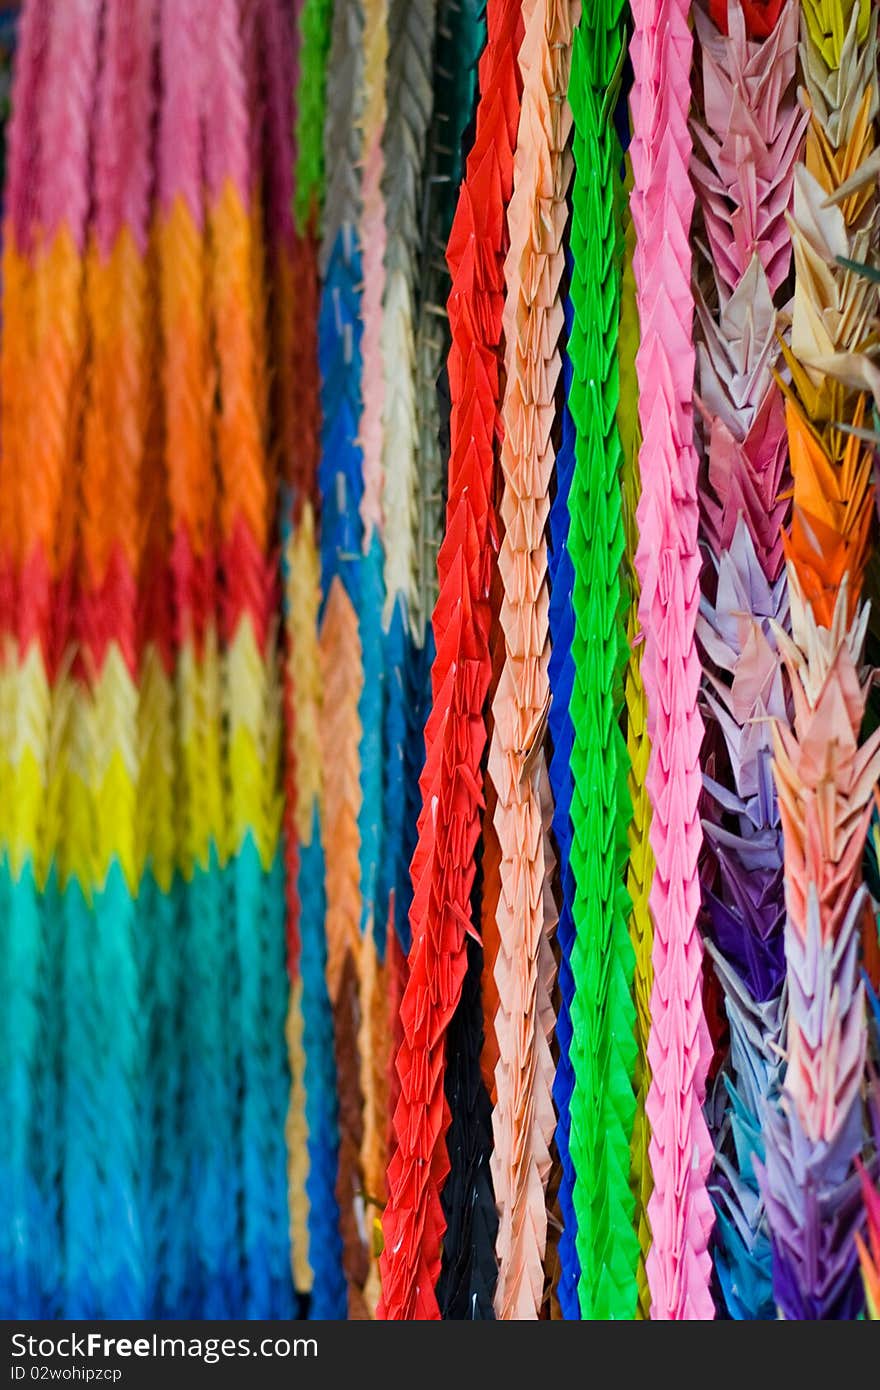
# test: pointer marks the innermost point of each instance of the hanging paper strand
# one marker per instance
(668, 565)
(296, 1139)
(409, 104)
(469, 1269)
(162, 887)
(104, 789)
(824, 779)
(523, 1119)
(29, 1284)
(341, 680)
(212, 1269)
(343, 676)
(47, 596)
(30, 1190)
(603, 1015)
(560, 672)
(443, 866)
(640, 867)
(162, 901)
(373, 241)
(490, 888)
(22, 1279)
(410, 97)
(372, 236)
(328, 1292)
(160, 1160)
(278, 36)
(469, 1272)
(37, 860)
(749, 100)
(372, 1035)
(163, 1161)
(315, 22)
(460, 40)
(251, 697)
(468, 1278)
(410, 100)
(275, 32)
(309, 178)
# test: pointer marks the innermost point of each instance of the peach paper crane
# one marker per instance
(523, 1119)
